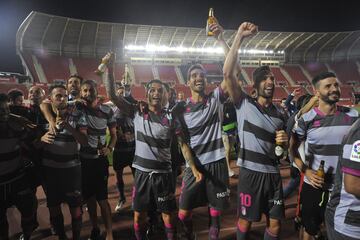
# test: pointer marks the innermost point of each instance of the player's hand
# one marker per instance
(48, 137)
(315, 180)
(105, 151)
(247, 29)
(198, 175)
(109, 59)
(142, 106)
(281, 137)
(217, 29)
(296, 92)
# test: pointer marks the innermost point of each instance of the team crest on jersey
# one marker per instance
(355, 152)
(243, 210)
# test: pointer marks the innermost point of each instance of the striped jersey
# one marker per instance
(323, 135)
(344, 208)
(203, 127)
(64, 151)
(153, 140)
(11, 162)
(98, 120)
(124, 130)
(257, 128)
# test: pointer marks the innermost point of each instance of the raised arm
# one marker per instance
(108, 79)
(46, 109)
(230, 68)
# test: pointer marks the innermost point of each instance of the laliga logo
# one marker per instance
(355, 152)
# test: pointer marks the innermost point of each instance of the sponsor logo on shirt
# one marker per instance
(355, 152)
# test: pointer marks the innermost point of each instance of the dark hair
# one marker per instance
(322, 76)
(148, 85)
(14, 93)
(52, 87)
(75, 76)
(259, 75)
(192, 67)
(283, 99)
(90, 82)
(303, 100)
(4, 97)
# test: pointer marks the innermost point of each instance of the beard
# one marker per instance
(328, 97)
(265, 94)
(74, 92)
(89, 99)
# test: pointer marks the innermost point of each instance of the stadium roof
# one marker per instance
(73, 37)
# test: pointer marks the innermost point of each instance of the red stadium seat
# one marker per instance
(167, 74)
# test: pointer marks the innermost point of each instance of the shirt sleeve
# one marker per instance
(111, 121)
(351, 158)
(300, 128)
(220, 95)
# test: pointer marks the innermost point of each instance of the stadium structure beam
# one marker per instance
(111, 37)
(259, 42)
(79, 39)
(324, 45)
(351, 47)
(197, 36)
(283, 40)
(96, 36)
(19, 42)
(207, 39)
(293, 40)
(230, 39)
(173, 36)
(62, 36)
(311, 45)
(137, 34)
(185, 36)
(45, 32)
(272, 40)
(337, 45)
(161, 35)
(148, 39)
(250, 40)
(291, 54)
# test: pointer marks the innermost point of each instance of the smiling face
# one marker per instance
(328, 90)
(73, 86)
(266, 87)
(36, 95)
(197, 80)
(155, 94)
(88, 93)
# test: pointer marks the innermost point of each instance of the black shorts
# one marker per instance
(312, 204)
(122, 159)
(63, 185)
(18, 193)
(213, 189)
(260, 193)
(153, 191)
(95, 174)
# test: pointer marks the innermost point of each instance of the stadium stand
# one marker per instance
(143, 73)
(80, 53)
(167, 74)
(296, 74)
(347, 72)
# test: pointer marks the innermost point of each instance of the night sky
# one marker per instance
(271, 15)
